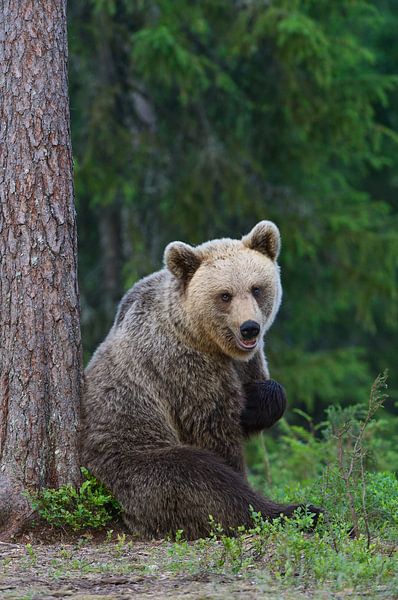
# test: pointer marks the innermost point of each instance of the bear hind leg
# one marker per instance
(164, 490)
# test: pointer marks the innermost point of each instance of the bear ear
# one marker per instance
(265, 238)
(181, 260)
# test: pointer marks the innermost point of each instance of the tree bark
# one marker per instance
(40, 349)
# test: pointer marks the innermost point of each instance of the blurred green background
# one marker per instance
(193, 120)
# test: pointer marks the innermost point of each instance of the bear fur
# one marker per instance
(166, 407)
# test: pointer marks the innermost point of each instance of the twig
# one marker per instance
(347, 481)
(364, 509)
(376, 400)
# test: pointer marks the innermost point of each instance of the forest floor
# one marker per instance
(115, 566)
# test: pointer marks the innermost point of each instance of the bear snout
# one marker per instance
(249, 330)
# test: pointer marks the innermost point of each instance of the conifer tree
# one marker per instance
(40, 354)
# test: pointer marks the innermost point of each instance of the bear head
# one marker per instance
(230, 290)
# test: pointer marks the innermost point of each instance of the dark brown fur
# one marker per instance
(162, 409)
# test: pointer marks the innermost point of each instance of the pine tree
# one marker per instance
(40, 362)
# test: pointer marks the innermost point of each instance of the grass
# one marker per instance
(278, 557)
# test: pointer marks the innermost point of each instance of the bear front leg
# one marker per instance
(265, 399)
(265, 404)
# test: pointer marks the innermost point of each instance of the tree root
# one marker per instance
(15, 512)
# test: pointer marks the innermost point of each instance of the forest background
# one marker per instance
(194, 120)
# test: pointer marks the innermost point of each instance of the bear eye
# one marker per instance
(256, 291)
(226, 297)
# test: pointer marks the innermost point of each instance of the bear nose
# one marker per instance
(249, 330)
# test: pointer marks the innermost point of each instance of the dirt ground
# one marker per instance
(118, 568)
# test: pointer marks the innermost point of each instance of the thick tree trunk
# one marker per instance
(40, 354)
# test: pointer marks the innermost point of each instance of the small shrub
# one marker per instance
(283, 551)
(92, 505)
(382, 497)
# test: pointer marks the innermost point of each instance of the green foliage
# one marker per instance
(89, 506)
(282, 550)
(382, 492)
(31, 553)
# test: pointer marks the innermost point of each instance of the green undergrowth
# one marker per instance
(90, 506)
(284, 551)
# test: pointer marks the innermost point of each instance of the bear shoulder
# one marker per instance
(144, 291)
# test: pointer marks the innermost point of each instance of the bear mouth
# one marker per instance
(247, 345)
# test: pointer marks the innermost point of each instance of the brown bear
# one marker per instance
(179, 381)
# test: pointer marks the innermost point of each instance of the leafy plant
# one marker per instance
(91, 505)
(282, 550)
(349, 436)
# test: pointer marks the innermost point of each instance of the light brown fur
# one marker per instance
(164, 391)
